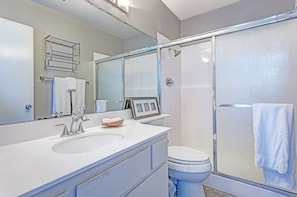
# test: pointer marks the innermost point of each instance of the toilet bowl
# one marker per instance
(190, 167)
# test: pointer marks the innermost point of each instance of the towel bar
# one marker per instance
(43, 78)
(238, 105)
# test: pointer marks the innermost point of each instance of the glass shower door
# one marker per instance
(110, 84)
(252, 66)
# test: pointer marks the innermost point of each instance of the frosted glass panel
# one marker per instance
(196, 97)
(235, 144)
(141, 76)
(110, 84)
(257, 65)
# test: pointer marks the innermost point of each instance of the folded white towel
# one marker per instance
(101, 105)
(273, 126)
(61, 97)
(286, 180)
(71, 84)
(78, 96)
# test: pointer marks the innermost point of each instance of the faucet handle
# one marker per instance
(84, 118)
(80, 128)
(65, 130)
(74, 117)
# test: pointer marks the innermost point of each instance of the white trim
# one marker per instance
(238, 188)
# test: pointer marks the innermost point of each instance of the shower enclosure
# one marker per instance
(223, 74)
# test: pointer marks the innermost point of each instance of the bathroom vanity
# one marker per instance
(133, 166)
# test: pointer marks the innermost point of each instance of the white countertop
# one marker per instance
(32, 164)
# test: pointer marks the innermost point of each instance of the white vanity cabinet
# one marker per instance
(140, 171)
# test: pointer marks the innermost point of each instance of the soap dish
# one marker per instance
(112, 122)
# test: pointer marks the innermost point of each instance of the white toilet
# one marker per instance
(190, 167)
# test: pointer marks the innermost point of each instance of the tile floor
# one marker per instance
(210, 192)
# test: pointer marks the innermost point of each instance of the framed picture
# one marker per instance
(143, 107)
(126, 104)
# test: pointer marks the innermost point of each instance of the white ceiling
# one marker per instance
(185, 9)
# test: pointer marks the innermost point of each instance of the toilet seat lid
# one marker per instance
(186, 155)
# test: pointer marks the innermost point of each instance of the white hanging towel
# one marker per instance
(101, 105)
(61, 97)
(71, 84)
(78, 96)
(274, 135)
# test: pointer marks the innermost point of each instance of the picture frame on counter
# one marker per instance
(127, 103)
(143, 107)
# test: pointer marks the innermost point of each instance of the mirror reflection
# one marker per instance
(62, 23)
(125, 77)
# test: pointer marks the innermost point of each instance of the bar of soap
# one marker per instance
(112, 122)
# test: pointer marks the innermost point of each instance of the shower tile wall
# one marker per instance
(196, 97)
(171, 67)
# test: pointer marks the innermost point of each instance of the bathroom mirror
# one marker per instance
(131, 76)
(75, 21)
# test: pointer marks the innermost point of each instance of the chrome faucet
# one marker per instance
(65, 130)
(76, 124)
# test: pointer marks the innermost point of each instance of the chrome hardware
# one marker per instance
(28, 107)
(43, 78)
(58, 114)
(65, 132)
(74, 129)
(169, 82)
(80, 128)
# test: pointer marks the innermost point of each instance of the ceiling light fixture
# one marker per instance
(113, 1)
(123, 5)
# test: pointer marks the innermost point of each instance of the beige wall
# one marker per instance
(243, 11)
(45, 22)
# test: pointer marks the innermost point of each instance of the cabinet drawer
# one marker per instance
(159, 153)
(118, 179)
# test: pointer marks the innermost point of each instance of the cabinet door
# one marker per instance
(118, 179)
(156, 185)
(159, 153)
(17, 75)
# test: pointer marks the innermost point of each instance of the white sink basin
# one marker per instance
(86, 143)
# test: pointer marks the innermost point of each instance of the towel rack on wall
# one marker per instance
(43, 78)
(239, 105)
(235, 105)
(61, 54)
